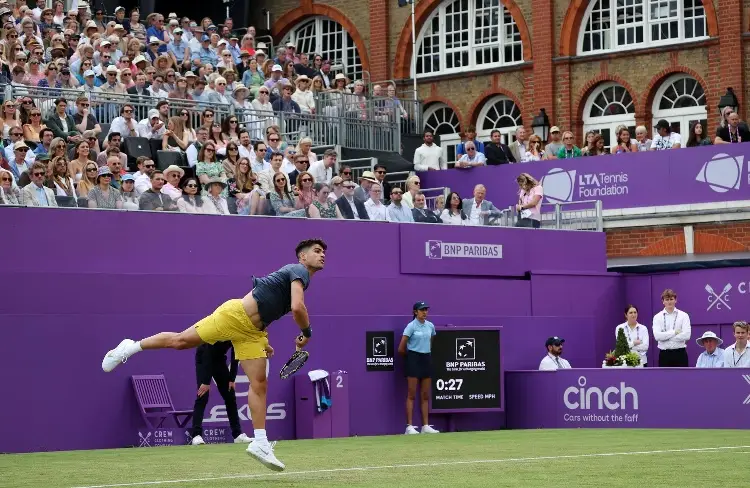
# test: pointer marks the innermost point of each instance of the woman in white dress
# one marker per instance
(453, 213)
(635, 333)
(191, 201)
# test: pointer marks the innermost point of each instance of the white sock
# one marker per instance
(134, 348)
(260, 435)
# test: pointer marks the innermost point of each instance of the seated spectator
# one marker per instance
(596, 146)
(397, 211)
(322, 207)
(83, 117)
(259, 202)
(191, 201)
(304, 190)
(665, 138)
(104, 195)
(337, 188)
(88, 179)
(266, 177)
(470, 136)
(129, 196)
(219, 95)
(697, 136)
(374, 205)
(33, 130)
(569, 149)
(154, 199)
(241, 184)
(18, 165)
(301, 164)
(302, 96)
(713, 356)
(429, 156)
(218, 138)
(16, 135)
(553, 360)
(534, 151)
(321, 170)
(421, 213)
(624, 144)
(214, 198)
(208, 166)
(641, 138)
(453, 213)
(285, 103)
(60, 181)
(9, 194)
(193, 151)
(366, 180)
(478, 210)
(555, 144)
(125, 124)
(303, 149)
(496, 152)
(281, 200)
(735, 131)
(143, 176)
(529, 204)
(45, 142)
(152, 127)
(519, 147)
(351, 208)
(736, 355)
(80, 158)
(472, 157)
(413, 186)
(172, 175)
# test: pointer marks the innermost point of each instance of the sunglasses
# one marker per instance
(91, 170)
(349, 187)
(273, 140)
(148, 165)
(191, 185)
(38, 174)
(305, 180)
(7, 179)
(346, 173)
(127, 111)
(208, 149)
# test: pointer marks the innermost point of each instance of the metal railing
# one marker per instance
(583, 215)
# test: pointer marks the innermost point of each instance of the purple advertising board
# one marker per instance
(693, 175)
(628, 398)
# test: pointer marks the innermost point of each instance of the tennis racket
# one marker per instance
(294, 364)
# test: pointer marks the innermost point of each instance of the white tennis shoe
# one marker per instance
(427, 429)
(264, 454)
(197, 441)
(243, 439)
(411, 430)
(117, 356)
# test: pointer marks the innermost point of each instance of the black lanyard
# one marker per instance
(737, 361)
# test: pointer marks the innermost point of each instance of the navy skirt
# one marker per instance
(418, 365)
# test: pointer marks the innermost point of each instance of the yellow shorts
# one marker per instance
(229, 322)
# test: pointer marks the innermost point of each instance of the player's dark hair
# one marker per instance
(308, 243)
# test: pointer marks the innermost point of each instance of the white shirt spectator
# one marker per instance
(305, 100)
(478, 158)
(145, 129)
(452, 219)
(660, 143)
(734, 359)
(247, 153)
(120, 125)
(553, 363)
(320, 172)
(142, 184)
(664, 327)
(192, 155)
(375, 210)
(426, 157)
(639, 333)
(157, 93)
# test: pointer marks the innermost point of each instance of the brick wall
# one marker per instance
(670, 240)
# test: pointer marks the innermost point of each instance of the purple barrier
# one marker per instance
(695, 175)
(628, 398)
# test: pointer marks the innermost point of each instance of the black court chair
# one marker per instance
(135, 147)
(165, 159)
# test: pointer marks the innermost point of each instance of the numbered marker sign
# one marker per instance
(466, 369)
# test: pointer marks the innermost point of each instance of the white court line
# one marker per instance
(417, 465)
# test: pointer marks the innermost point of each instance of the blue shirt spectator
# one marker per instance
(713, 356)
(158, 32)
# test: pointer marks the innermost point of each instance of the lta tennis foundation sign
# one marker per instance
(441, 250)
(590, 404)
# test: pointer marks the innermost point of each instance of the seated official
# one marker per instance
(553, 360)
(713, 356)
(736, 355)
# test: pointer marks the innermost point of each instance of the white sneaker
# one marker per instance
(264, 454)
(410, 429)
(427, 429)
(242, 439)
(197, 441)
(117, 355)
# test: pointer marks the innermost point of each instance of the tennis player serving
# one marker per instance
(244, 322)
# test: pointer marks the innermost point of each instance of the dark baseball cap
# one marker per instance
(421, 306)
(554, 341)
(662, 124)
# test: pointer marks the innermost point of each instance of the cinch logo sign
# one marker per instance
(722, 173)
(560, 185)
(440, 250)
(613, 398)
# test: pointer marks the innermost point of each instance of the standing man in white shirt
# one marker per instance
(671, 329)
(713, 356)
(429, 156)
(736, 355)
(553, 360)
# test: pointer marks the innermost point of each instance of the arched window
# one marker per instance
(609, 106)
(681, 101)
(321, 35)
(462, 35)
(618, 25)
(499, 113)
(442, 121)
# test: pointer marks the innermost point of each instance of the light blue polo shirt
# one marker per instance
(419, 335)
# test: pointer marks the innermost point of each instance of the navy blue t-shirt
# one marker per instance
(273, 292)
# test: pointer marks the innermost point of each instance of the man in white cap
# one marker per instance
(276, 81)
(291, 52)
(151, 127)
(713, 356)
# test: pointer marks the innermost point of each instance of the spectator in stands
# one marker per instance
(266, 177)
(351, 208)
(125, 125)
(736, 355)
(416, 347)
(321, 170)
(257, 159)
(143, 176)
(241, 185)
(380, 174)
(191, 201)
(281, 200)
(337, 188)
(535, 151)
(16, 135)
(553, 360)
(303, 96)
(733, 132)
(9, 194)
(519, 147)
(194, 150)
(413, 186)
(301, 164)
(322, 207)
(262, 105)
(671, 328)
(35, 194)
(304, 190)
(713, 356)
(240, 101)
(697, 136)
(104, 195)
(219, 95)
(304, 149)
(80, 158)
(285, 103)
(665, 138)
(530, 194)
(429, 156)
(179, 50)
(421, 213)
(276, 81)
(230, 162)
(172, 175)
(635, 333)
(129, 197)
(152, 127)
(18, 165)
(496, 152)
(374, 205)
(624, 143)
(88, 180)
(555, 143)
(470, 135)
(595, 146)
(60, 181)
(45, 142)
(397, 211)
(478, 210)
(365, 182)
(62, 124)
(439, 204)
(32, 131)
(218, 138)
(569, 150)
(10, 118)
(215, 188)
(641, 138)
(472, 157)
(154, 199)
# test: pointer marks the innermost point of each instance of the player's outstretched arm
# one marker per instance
(299, 311)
